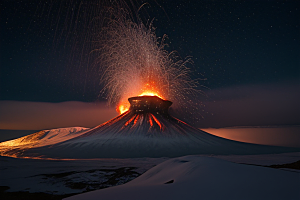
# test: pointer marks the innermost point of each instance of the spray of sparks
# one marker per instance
(134, 62)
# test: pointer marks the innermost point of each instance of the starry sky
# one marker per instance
(248, 52)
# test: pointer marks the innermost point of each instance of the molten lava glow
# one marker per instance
(123, 108)
(149, 93)
(157, 122)
(129, 121)
(148, 90)
(136, 120)
(150, 121)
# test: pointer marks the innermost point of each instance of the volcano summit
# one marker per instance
(145, 130)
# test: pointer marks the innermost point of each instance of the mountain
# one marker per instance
(145, 130)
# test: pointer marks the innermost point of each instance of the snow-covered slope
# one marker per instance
(196, 177)
(15, 147)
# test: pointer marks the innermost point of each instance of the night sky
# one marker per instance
(248, 52)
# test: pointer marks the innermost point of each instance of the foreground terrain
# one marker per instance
(57, 179)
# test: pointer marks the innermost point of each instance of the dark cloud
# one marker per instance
(20, 115)
(253, 105)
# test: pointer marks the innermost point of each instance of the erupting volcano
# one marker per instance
(145, 130)
(133, 63)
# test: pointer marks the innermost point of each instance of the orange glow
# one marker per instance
(149, 93)
(136, 119)
(147, 90)
(158, 123)
(123, 108)
(150, 121)
(128, 122)
(150, 90)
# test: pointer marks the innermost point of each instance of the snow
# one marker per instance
(14, 134)
(64, 176)
(199, 177)
(39, 139)
(76, 176)
(46, 137)
(207, 176)
(266, 159)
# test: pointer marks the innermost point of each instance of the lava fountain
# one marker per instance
(133, 62)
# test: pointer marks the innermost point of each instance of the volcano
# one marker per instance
(145, 130)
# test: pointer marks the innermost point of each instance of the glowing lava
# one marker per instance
(124, 106)
(149, 93)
